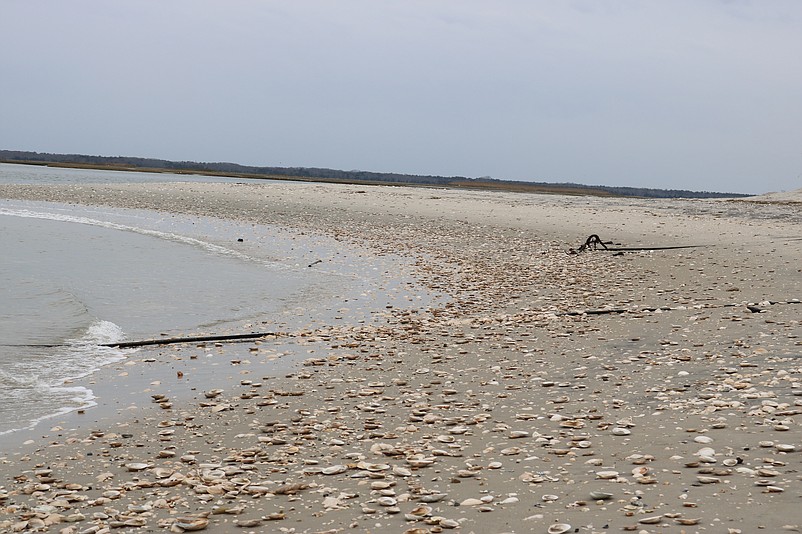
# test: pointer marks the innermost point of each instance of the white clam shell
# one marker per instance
(607, 475)
(335, 470)
(137, 466)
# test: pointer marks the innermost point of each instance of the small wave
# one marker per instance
(86, 353)
(41, 389)
(209, 247)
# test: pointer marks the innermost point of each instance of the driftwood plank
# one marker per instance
(188, 339)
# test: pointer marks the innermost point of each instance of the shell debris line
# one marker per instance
(494, 411)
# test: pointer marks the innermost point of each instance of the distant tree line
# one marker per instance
(352, 176)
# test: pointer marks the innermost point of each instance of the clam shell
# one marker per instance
(335, 470)
(138, 466)
(653, 520)
(401, 471)
(420, 461)
(421, 511)
(432, 497)
(194, 524)
(559, 528)
(606, 475)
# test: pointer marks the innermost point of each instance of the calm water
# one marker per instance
(73, 277)
(38, 174)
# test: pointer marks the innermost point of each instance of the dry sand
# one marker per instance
(503, 410)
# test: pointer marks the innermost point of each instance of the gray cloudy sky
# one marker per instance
(690, 94)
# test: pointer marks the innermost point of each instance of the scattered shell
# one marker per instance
(138, 466)
(606, 475)
(559, 528)
(335, 470)
(600, 495)
(653, 520)
(619, 431)
(421, 511)
(401, 471)
(420, 461)
(192, 524)
(432, 497)
(387, 501)
(708, 480)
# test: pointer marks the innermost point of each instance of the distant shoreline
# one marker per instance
(355, 177)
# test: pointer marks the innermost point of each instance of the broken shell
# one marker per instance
(162, 472)
(559, 528)
(600, 495)
(421, 511)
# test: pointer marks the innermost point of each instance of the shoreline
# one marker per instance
(491, 413)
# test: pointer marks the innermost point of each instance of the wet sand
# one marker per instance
(506, 409)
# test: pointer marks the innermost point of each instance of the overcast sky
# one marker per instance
(688, 94)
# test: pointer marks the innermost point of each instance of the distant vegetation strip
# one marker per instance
(124, 163)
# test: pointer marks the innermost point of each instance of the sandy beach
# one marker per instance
(646, 391)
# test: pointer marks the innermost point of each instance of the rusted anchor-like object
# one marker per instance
(593, 242)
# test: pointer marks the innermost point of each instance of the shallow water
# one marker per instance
(73, 278)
